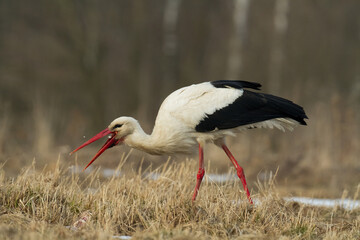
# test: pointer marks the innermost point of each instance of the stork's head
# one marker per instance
(122, 127)
(117, 131)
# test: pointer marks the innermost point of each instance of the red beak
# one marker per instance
(112, 141)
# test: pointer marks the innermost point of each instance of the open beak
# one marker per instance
(112, 141)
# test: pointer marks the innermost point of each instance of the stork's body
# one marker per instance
(201, 113)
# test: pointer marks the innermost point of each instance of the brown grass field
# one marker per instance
(40, 203)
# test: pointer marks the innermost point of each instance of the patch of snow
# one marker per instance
(108, 172)
(77, 169)
(221, 178)
(153, 176)
(122, 237)
(348, 204)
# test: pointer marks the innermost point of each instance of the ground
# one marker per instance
(48, 203)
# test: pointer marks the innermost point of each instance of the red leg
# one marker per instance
(200, 173)
(239, 170)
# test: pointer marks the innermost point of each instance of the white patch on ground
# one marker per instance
(348, 204)
(221, 178)
(77, 169)
(121, 237)
(107, 172)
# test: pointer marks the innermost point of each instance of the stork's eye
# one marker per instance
(117, 126)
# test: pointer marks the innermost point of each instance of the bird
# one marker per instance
(203, 113)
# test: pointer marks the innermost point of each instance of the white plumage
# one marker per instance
(182, 110)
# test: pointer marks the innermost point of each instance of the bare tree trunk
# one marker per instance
(277, 50)
(90, 58)
(240, 15)
(144, 91)
(43, 138)
(82, 37)
(170, 44)
(4, 126)
(144, 53)
(3, 17)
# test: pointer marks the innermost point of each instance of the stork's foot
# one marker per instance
(199, 178)
(239, 170)
(241, 175)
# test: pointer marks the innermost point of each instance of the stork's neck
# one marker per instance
(161, 141)
(143, 141)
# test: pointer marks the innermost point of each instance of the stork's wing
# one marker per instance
(251, 108)
(187, 106)
(223, 105)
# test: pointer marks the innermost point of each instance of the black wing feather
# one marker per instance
(235, 84)
(251, 108)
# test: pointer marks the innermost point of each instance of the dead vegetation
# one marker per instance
(40, 204)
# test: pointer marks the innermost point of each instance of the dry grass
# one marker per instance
(39, 204)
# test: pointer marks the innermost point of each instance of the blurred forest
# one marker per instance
(69, 67)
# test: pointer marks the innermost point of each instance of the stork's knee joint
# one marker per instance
(200, 173)
(240, 172)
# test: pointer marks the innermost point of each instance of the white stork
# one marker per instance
(204, 113)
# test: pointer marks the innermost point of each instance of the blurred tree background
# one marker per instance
(69, 67)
